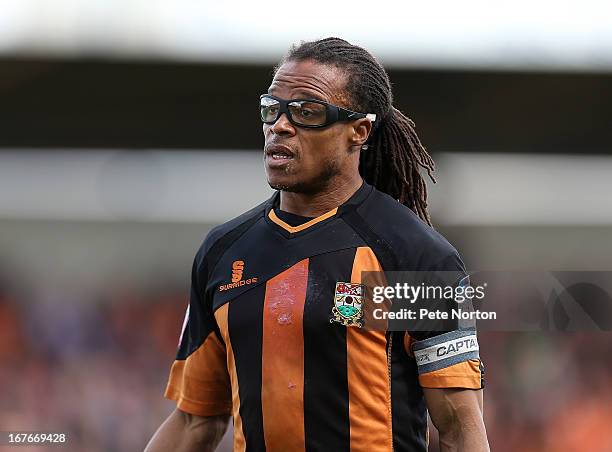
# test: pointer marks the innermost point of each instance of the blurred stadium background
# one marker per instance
(129, 128)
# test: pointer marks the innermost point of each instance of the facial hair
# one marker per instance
(317, 184)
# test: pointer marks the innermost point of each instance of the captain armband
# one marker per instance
(445, 350)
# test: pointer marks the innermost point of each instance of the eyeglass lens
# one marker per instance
(301, 112)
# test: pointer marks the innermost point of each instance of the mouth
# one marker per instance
(278, 154)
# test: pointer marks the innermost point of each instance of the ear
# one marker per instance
(360, 131)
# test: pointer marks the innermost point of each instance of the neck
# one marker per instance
(316, 204)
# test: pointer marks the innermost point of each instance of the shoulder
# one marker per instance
(413, 244)
(223, 235)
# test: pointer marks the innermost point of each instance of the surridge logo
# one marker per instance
(237, 268)
(237, 274)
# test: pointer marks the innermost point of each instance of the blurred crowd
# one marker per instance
(95, 368)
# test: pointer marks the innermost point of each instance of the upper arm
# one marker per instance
(199, 380)
(446, 350)
(450, 371)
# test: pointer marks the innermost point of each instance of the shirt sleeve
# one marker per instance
(448, 356)
(199, 381)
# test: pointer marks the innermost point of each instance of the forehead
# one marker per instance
(308, 78)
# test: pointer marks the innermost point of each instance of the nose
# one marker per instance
(282, 126)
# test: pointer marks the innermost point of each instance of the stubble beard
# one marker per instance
(315, 185)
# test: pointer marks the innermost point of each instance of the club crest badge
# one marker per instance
(348, 301)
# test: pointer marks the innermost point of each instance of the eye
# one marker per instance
(306, 113)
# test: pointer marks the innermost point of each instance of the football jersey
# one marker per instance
(260, 341)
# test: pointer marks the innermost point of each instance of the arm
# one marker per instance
(184, 432)
(199, 382)
(457, 414)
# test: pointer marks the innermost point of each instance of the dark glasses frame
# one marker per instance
(333, 113)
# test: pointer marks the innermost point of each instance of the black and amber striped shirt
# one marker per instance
(258, 342)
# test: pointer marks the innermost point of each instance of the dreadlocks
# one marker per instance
(393, 155)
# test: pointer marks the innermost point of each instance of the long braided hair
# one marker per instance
(393, 155)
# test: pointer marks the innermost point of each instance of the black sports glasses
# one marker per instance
(310, 113)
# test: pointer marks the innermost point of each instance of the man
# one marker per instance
(264, 340)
